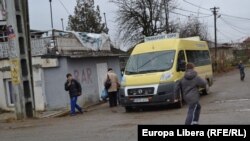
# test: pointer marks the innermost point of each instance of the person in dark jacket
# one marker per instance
(75, 90)
(189, 86)
(241, 67)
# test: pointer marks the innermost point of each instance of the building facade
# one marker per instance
(51, 63)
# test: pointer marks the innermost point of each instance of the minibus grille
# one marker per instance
(141, 91)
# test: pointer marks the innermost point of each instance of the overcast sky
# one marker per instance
(229, 28)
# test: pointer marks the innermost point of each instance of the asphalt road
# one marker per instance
(229, 103)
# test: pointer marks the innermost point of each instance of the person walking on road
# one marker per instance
(241, 67)
(113, 88)
(189, 86)
(75, 90)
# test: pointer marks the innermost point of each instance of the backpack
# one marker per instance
(107, 84)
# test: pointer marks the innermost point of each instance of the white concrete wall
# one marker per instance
(3, 94)
(39, 92)
(49, 78)
(38, 79)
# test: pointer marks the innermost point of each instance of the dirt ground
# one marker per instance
(229, 103)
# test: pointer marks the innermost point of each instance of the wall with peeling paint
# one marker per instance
(85, 71)
(38, 81)
(49, 76)
(54, 79)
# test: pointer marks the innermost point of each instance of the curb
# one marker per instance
(93, 105)
(7, 119)
(61, 113)
(66, 112)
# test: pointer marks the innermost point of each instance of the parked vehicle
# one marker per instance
(155, 67)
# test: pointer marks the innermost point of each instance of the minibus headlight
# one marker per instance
(123, 81)
(166, 76)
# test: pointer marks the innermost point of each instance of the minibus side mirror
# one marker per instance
(182, 66)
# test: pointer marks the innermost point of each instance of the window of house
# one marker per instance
(9, 92)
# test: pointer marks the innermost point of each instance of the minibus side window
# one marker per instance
(198, 57)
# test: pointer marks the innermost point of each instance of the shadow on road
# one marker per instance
(154, 108)
(170, 107)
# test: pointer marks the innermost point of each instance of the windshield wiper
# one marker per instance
(148, 71)
(145, 71)
(130, 72)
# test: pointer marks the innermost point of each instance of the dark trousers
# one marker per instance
(74, 105)
(193, 114)
(242, 75)
(112, 99)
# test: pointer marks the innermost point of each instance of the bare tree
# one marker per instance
(139, 18)
(193, 27)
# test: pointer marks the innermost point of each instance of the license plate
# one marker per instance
(137, 100)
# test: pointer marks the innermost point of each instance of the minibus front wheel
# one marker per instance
(179, 104)
(128, 109)
(206, 91)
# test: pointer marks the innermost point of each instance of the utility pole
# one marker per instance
(106, 29)
(20, 57)
(51, 14)
(166, 5)
(52, 26)
(105, 20)
(62, 24)
(215, 10)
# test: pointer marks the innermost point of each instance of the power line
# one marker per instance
(193, 11)
(233, 27)
(196, 5)
(205, 16)
(236, 17)
(179, 14)
(221, 13)
(64, 7)
(224, 35)
(188, 15)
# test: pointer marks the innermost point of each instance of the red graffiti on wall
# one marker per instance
(84, 75)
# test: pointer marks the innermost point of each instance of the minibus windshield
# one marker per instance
(150, 62)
